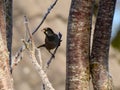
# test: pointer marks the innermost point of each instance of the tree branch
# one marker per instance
(31, 49)
(100, 49)
(46, 14)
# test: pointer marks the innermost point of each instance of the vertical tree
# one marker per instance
(78, 45)
(5, 76)
(8, 16)
(100, 49)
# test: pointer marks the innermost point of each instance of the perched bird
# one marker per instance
(51, 40)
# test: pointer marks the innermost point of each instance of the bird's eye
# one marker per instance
(46, 32)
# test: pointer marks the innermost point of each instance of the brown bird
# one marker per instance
(52, 40)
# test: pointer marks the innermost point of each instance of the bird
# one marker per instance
(52, 40)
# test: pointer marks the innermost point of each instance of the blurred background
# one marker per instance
(24, 74)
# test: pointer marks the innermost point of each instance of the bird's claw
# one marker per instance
(53, 55)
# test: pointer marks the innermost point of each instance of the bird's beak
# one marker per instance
(43, 30)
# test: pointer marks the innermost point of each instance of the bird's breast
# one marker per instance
(51, 42)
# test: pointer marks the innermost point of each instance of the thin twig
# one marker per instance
(39, 57)
(18, 56)
(46, 14)
(27, 28)
(41, 72)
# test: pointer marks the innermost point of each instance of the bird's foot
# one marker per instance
(53, 55)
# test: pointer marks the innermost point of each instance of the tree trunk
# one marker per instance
(100, 49)
(5, 76)
(2, 21)
(8, 14)
(78, 45)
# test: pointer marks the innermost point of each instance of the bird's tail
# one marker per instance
(43, 45)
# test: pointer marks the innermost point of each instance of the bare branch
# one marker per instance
(27, 28)
(31, 49)
(18, 57)
(37, 66)
(39, 57)
(39, 69)
(46, 14)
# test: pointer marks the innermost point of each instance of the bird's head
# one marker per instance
(48, 31)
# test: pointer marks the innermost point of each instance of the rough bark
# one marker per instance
(100, 49)
(6, 82)
(2, 21)
(8, 14)
(5, 76)
(78, 44)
